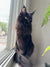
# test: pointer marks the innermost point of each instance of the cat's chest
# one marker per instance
(23, 40)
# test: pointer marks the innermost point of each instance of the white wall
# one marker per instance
(40, 35)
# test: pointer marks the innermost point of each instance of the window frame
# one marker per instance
(15, 9)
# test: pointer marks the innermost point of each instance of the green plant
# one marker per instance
(45, 21)
(4, 26)
(48, 48)
(47, 14)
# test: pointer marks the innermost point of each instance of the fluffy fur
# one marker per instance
(24, 45)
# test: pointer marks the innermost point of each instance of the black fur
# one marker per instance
(23, 33)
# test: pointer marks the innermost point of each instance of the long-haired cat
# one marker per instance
(24, 46)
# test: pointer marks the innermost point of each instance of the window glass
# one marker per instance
(4, 20)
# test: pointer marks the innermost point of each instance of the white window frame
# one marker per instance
(15, 8)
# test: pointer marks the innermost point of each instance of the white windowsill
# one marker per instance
(6, 58)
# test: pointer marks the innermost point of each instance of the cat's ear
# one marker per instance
(23, 10)
(32, 12)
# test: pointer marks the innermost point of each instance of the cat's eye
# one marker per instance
(26, 18)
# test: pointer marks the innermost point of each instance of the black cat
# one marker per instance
(24, 46)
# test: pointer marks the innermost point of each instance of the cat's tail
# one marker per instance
(22, 60)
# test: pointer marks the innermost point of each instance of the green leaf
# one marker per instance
(45, 20)
(48, 48)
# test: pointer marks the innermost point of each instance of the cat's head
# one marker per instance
(25, 16)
